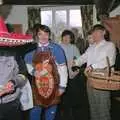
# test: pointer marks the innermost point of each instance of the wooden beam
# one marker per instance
(44, 2)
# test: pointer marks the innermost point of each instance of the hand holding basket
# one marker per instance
(104, 79)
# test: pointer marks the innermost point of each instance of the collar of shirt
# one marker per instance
(100, 44)
(43, 45)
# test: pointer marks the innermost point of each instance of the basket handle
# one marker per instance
(108, 66)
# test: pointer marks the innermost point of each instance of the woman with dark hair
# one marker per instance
(71, 51)
(74, 102)
(70, 34)
(47, 65)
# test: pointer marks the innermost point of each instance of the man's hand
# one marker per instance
(60, 92)
(71, 63)
(73, 74)
(89, 69)
(8, 88)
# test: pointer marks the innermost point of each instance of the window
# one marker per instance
(46, 18)
(75, 18)
(60, 22)
(60, 18)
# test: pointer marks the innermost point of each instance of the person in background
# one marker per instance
(13, 75)
(74, 102)
(95, 57)
(71, 51)
(26, 93)
(47, 64)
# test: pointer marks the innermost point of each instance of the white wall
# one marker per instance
(18, 15)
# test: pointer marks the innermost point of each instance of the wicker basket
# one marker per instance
(104, 79)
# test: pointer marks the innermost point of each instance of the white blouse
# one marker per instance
(96, 55)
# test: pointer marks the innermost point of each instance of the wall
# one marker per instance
(18, 15)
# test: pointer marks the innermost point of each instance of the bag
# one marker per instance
(26, 98)
(46, 81)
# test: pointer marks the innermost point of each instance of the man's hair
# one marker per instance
(101, 27)
(70, 33)
(43, 28)
(97, 27)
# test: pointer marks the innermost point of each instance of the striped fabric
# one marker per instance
(99, 103)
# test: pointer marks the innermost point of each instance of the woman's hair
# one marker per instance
(70, 33)
(43, 28)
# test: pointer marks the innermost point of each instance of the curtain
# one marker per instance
(87, 22)
(34, 16)
(5, 10)
(87, 18)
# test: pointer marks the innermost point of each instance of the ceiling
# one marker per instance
(100, 3)
(102, 6)
(41, 2)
